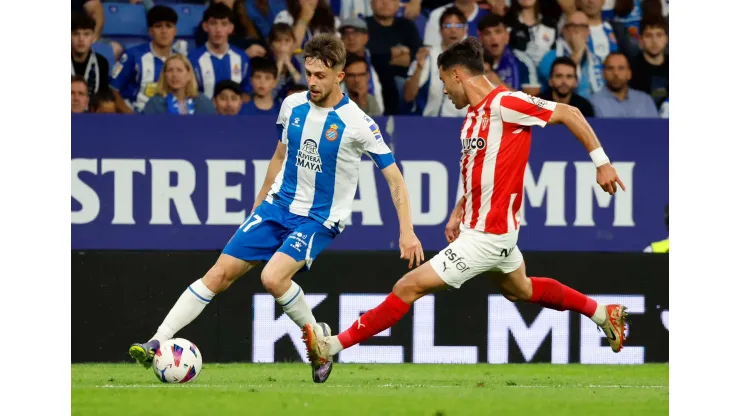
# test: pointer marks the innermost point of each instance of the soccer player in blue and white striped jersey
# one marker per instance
(217, 60)
(304, 202)
(135, 76)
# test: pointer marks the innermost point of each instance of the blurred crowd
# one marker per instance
(609, 58)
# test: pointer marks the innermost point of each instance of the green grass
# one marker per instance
(376, 389)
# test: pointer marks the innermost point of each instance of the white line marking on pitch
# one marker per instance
(242, 386)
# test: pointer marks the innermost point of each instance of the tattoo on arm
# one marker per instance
(396, 193)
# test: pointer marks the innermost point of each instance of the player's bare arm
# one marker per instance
(571, 117)
(408, 243)
(452, 229)
(273, 169)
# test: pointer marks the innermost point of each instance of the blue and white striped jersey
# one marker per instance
(210, 68)
(135, 76)
(321, 168)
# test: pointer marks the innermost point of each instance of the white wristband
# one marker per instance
(599, 157)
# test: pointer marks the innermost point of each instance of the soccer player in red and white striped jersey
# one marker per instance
(484, 225)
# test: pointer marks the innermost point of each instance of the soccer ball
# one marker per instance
(177, 361)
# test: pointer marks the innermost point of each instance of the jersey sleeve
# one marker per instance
(123, 72)
(525, 110)
(282, 121)
(372, 143)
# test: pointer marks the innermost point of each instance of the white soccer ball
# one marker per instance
(177, 361)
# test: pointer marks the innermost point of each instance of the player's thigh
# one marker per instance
(259, 236)
(511, 277)
(472, 253)
(306, 241)
(417, 283)
(229, 268)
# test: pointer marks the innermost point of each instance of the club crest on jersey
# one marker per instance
(539, 102)
(308, 157)
(484, 123)
(332, 133)
(471, 144)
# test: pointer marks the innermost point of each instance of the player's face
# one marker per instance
(653, 41)
(453, 87)
(106, 107)
(82, 39)
(617, 72)
(79, 97)
(218, 30)
(563, 79)
(354, 41)
(228, 103)
(163, 33)
(282, 45)
(357, 78)
(176, 75)
(495, 39)
(452, 30)
(321, 80)
(263, 83)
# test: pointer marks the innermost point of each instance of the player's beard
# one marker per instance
(321, 98)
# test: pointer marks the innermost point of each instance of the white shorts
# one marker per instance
(475, 252)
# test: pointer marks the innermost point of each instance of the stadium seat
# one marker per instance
(189, 17)
(125, 20)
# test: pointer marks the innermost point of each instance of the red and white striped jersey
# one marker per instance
(495, 138)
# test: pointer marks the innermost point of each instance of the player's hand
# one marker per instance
(411, 249)
(607, 178)
(452, 229)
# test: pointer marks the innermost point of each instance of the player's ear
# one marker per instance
(340, 77)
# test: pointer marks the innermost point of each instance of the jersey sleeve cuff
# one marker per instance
(382, 161)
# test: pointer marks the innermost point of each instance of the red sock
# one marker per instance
(375, 321)
(554, 295)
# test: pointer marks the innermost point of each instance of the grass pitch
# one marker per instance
(376, 389)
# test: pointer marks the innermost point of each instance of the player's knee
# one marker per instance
(272, 281)
(217, 279)
(407, 290)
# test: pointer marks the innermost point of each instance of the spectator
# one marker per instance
(289, 66)
(410, 9)
(530, 31)
(355, 38)
(227, 98)
(469, 8)
(263, 79)
(308, 18)
(92, 66)
(217, 60)
(244, 36)
(135, 76)
(573, 44)
(93, 8)
(631, 12)
(424, 87)
(177, 91)
(263, 14)
(513, 67)
(80, 96)
(357, 85)
(605, 37)
(617, 100)
(296, 89)
(563, 82)
(664, 109)
(393, 41)
(651, 66)
(103, 102)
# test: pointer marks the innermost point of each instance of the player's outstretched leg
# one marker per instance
(412, 286)
(552, 294)
(191, 303)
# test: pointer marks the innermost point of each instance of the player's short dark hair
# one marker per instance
(353, 59)
(218, 11)
(82, 21)
(161, 14)
(490, 20)
(654, 22)
(102, 96)
(261, 64)
(467, 53)
(279, 29)
(452, 11)
(327, 48)
(564, 60)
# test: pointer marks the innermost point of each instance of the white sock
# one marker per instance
(190, 304)
(334, 346)
(295, 306)
(600, 315)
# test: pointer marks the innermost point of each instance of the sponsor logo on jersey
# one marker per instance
(308, 157)
(332, 133)
(456, 260)
(472, 144)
